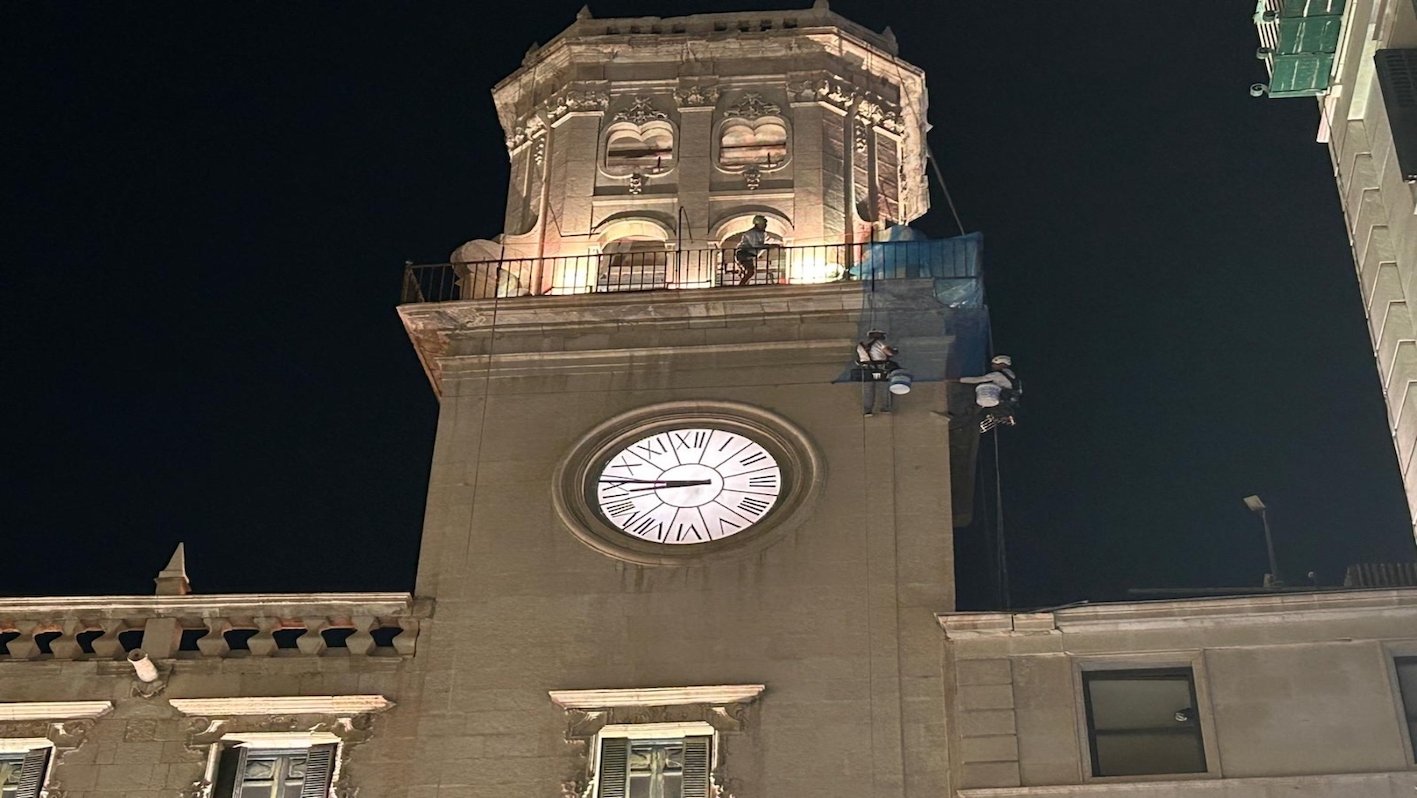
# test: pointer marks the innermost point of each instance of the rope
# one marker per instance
(940, 178)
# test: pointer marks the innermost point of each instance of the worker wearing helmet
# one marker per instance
(876, 360)
(998, 391)
(750, 244)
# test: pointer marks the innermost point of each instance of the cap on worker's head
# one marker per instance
(1002, 360)
(760, 219)
(875, 333)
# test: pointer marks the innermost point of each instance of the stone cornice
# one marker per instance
(281, 705)
(1348, 783)
(1188, 613)
(656, 696)
(54, 710)
(198, 604)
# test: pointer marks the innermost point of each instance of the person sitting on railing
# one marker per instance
(750, 244)
(876, 360)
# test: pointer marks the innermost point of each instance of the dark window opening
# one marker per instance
(1143, 722)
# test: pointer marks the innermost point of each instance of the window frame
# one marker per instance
(1200, 693)
(24, 748)
(272, 743)
(1406, 716)
(653, 731)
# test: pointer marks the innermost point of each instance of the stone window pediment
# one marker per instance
(752, 135)
(638, 140)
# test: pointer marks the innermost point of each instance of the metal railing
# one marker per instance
(687, 269)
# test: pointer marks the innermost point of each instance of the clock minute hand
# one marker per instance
(671, 483)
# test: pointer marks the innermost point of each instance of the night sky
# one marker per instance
(207, 207)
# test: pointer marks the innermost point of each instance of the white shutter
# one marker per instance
(614, 762)
(319, 768)
(696, 767)
(32, 773)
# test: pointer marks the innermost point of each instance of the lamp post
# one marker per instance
(1272, 579)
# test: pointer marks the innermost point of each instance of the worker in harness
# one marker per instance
(753, 241)
(875, 362)
(997, 393)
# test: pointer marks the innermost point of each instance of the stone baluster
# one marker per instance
(213, 643)
(107, 645)
(66, 645)
(404, 643)
(24, 647)
(263, 642)
(312, 643)
(361, 643)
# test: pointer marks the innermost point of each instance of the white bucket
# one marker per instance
(900, 381)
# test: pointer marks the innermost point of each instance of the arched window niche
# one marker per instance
(752, 135)
(639, 140)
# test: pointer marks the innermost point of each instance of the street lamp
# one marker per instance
(1271, 579)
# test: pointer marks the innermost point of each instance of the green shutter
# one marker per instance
(319, 768)
(696, 767)
(614, 762)
(228, 772)
(32, 773)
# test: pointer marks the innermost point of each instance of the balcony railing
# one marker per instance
(689, 269)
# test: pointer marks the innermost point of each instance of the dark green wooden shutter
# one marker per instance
(614, 762)
(1397, 75)
(228, 772)
(319, 768)
(32, 773)
(696, 767)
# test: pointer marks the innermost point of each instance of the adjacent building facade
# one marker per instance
(1359, 58)
(1306, 694)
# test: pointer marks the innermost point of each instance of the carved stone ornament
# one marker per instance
(66, 735)
(752, 106)
(574, 99)
(842, 93)
(696, 96)
(637, 183)
(752, 177)
(642, 110)
(860, 139)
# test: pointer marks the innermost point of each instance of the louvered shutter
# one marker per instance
(32, 773)
(614, 762)
(1397, 75)
(228, 772)
(319, 768)
(696, 767)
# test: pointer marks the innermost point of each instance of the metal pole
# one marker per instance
(1275, 579)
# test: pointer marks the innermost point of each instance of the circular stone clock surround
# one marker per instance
(576, 481)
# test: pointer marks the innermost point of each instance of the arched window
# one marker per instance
(633, 263)
(760, 142)
(647, 147)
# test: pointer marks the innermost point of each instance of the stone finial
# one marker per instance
(889, 36)
(172, 580)
(584, 13)
(821, 5)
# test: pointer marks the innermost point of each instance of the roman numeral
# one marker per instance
(619, 508)
(691, 528)
(762, 482)
(725, 523)
(651, 447)
(750, 505)
(753, 458)
(645, 525)
(690, 440)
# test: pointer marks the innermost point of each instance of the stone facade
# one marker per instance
(1379, 207)
(1295, 695)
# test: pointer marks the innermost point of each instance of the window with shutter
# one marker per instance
(614, 752)
(1397, 75)
(22, 774)
(676, 767)
(244, 772)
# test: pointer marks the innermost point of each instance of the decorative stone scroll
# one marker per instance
(844, 95)
(642, 110)
(65, 724)
(696, 96)
(725, 708)
(752, 106)
(572, 99)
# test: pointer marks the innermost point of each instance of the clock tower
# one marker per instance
(669, 554)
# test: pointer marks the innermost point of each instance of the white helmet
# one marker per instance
(1002, 361)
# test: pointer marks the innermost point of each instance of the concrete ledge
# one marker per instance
(54, 710)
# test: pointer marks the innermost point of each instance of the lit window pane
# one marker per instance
(1142, 722)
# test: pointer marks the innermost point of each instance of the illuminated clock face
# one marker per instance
(686, 486)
